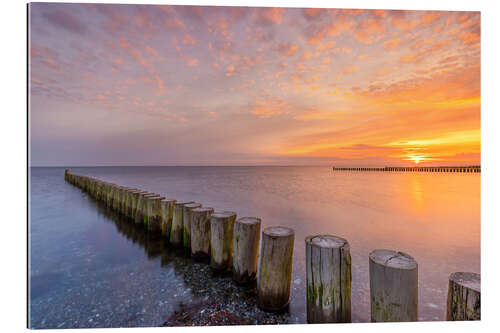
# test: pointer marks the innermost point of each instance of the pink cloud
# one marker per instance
(173, 24)
(316, 33)
(313, 13)
(349, 69)
(192, 62)
(268, 107)
(287, 49)
(267, 16)
(66, 20)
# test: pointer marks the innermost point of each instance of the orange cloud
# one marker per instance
(429, 17)
(369, 31)
(271, 106)
(192, 62)
(398, 19)
(349, 69)
(316, 33)
(390, 44)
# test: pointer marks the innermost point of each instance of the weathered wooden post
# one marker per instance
(275, 272)
(131, 199)
(116, 199)
(328, 279)
(246, 249)
(167, 213)
(221, 240)
(186, 222)
(200, 233)
(176, 234)
(141, 210)
(136, 205)
(126, 201)
(154, 214)
(464, 297)
(393, 286)
(147, 207)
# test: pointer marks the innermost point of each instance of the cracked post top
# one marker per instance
(393, 259)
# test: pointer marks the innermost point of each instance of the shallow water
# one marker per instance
(90, 269)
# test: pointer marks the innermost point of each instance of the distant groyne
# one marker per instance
(231, 245)
(468, 169)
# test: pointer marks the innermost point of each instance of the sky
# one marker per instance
(191, 85)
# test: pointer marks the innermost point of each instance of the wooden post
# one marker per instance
(200, 233)
(141, 210)
(464, 297)
(167, 213)
(127, 201)
(177, 223)
(246, 249)
(275, 272)
(221, 240)
(132, 198)
(136, 205)
(328, 279)
(393, 286)
(147, 207)
(186, 222)
(154, 214)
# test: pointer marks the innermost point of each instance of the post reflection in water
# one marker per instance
(205, 287)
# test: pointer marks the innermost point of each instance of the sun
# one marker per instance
(416, 160)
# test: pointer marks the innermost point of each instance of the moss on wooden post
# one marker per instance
(136, 205)
(246, 249)
(154, 214)
(328, 279)
(176, 233)
(142, 206)
(186, 223)
(275, 272)
(147, 207)
(221, 240)
(464, 297)
(393, 286)
(131, 198)
(127, 201)
(167, 213)
(200, 233)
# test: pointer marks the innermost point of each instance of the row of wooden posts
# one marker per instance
(233, 245)
(474, 168)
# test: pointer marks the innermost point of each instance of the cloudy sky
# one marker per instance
(189, 85)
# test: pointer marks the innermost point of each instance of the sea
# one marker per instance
(89, 268)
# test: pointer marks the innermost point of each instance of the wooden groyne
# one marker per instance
(231, 246)
(467, 169)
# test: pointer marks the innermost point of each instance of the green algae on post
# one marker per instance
(221, 240)
(393, 286)
(328, 279)
(176, 233)
(186, 222)
(246, 249)
(464, 297)
(275, 273)
(200, 233)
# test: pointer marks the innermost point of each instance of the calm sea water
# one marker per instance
(88, 269)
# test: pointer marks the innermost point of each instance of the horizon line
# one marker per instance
(249, 165)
